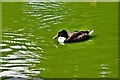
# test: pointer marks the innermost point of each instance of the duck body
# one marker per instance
(76, 36)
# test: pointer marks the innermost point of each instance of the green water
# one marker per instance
(28, 50)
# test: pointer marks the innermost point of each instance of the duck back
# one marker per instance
(78, 36)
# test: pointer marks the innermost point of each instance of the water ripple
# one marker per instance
(46, 13)
(19, 55)
(104, 71)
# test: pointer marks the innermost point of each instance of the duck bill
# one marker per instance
(55, 36)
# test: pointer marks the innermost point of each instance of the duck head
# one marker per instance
(62, 36)
(62, 33)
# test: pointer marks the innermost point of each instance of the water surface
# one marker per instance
(28, 50)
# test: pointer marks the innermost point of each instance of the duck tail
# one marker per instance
(90, 32)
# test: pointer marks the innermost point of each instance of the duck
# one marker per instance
(69, 37)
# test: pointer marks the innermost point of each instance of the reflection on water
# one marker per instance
(19, 55)
(104, 71)
(45, 14)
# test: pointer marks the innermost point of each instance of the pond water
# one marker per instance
(28, 50)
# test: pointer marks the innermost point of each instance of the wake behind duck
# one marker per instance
(76, 36)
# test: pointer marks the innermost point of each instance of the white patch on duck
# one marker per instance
(61, 40)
